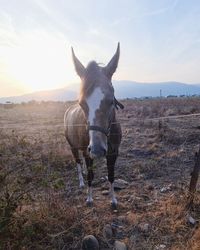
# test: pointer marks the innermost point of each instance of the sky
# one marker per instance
(159, 39)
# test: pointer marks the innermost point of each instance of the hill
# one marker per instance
(123, 89)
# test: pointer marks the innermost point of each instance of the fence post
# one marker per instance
(194, 177)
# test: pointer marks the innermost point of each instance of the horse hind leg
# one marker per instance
(111, 159)
(79, 168)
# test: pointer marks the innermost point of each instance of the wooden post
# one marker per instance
(194, 177)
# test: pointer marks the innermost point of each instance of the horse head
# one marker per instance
(97, 101)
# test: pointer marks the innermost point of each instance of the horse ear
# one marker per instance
(112, 65)
(80, 69)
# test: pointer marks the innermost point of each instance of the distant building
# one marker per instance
(8, 105)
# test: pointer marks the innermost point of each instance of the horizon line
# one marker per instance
(71, 84)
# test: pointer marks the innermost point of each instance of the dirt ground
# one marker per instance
(42, 207)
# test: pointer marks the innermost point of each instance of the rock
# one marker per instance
(107, 231)
(119, 245)
(114, 225)
(120, 184)
(122, 219)
(149, 204)
(103, 179)
(140, 176)
(160, 247)
(105, 192)
(166, 188)
(191, 220)
(90, 243)
(144, 227)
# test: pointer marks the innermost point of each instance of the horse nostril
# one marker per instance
(96, 151)
(89, 148)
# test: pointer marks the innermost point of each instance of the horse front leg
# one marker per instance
(79, 168)
(111, 159)
(90, 177)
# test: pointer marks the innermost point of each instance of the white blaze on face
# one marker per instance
(94, 102)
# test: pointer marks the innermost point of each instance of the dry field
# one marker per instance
(41, 206)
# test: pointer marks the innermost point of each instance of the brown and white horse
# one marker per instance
(90, 125)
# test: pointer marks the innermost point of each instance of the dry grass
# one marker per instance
(41, 206)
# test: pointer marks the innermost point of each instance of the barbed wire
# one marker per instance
(7, 126)
(123, 156)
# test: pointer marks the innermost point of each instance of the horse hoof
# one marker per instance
(114, 206)
(81, 186)
(89, 203)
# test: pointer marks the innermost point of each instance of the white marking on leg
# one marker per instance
(80, 176)
(84, 166)
(89, 197)
(112, 194)
(83, 163)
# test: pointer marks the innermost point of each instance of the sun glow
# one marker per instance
(39, 62)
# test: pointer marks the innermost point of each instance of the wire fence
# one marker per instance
(10, 126)
(127, 123)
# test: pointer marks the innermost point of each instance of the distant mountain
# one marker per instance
(130, 89)
(123, 89)
(64, 94)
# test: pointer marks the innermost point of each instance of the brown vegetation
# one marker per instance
(41, 206)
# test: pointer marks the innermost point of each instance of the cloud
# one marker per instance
(8, 35)
(144, 14)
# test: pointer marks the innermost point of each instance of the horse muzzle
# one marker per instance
(96, 151)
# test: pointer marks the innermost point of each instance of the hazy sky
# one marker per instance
(160, 40)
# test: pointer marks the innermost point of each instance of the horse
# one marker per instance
(90, 125)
